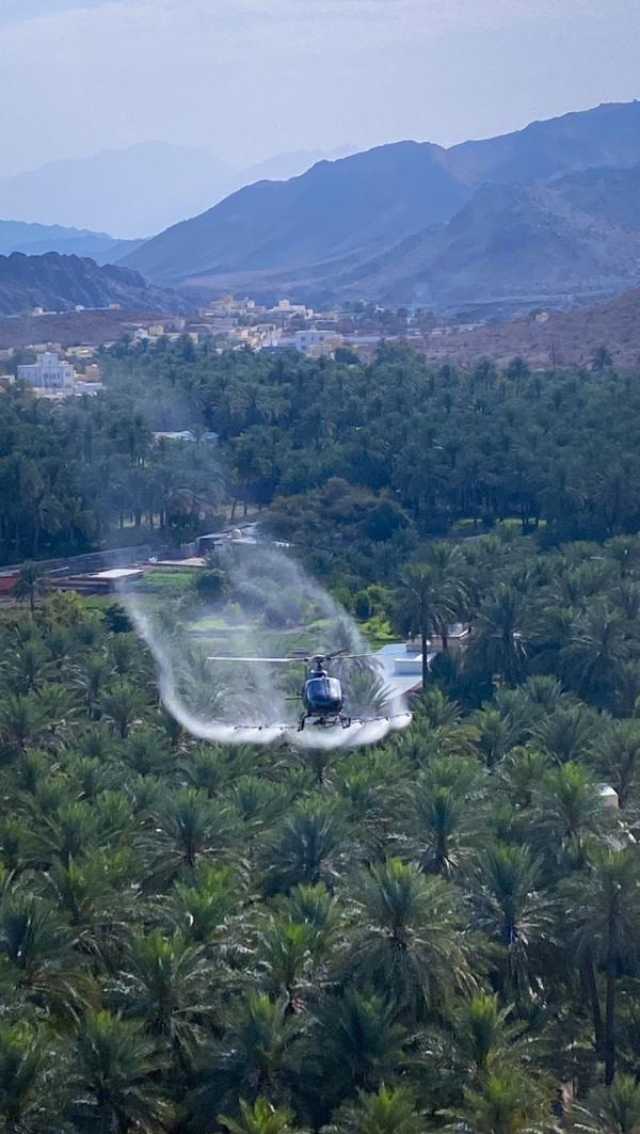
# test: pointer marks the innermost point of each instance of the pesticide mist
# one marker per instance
(262, 604)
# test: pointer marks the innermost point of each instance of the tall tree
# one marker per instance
(409, 940)
(603, 918)
(498, 649)
(28, 584)
(425, 603)
(115, 1073)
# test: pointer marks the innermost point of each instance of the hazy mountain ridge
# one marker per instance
(522, 242)
(137, 191)
(334, 208)
(37, 239)
(60, 283)
(551, 210)
(608, 134)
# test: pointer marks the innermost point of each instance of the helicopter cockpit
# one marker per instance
(323, 693)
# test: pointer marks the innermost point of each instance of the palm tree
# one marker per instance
(261, 1118)
(66, 835)
(284, 952)
(514, 911)
(97, 897)
(595, 652)
(205, 768)
(448, 561)
(438, 710)
(458, 770)
(23, 720)
(26, 669)
(625, 553)
(163, 982)
(410, 942)
(371, 796)
(603, 922)
(618, 759)
(544, 693)
(91, 679)
(147, 752)
(360, 1043)
(26, 1079)
(628, 688)
(611, 1110)
(445, 826)
(627, 599)
(425, 603)
(255, 1057)
(316, 908)
(201, 907)
(496, 734)
(566, 733)
(115, 1084)
(57, 706)
(478, 1039)
(121, 705)
(42, 966)
(305, 849)
(568, 812)
(189, 829)
(28, 584)
(124, 651)
(91, 776)
(366, 693)
(423, 744)
(521, 775)
(391, 1110)
(508, 1102)
(485, 1038)
(498, 648)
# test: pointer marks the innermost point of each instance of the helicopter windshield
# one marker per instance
(323, 692)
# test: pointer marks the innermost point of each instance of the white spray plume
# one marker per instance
(272, 608)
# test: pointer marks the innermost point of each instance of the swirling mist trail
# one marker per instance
(270, 607)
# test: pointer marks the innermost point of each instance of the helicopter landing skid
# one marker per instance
(325, 722)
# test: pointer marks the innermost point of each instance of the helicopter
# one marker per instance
(322, 696)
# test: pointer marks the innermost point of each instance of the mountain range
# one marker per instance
(36, 239)
(548, 213)
(137, 191)
(60, 283)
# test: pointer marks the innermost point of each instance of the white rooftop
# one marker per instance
(401, 668)
(116, 573)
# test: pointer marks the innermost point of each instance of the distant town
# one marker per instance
(56, 369)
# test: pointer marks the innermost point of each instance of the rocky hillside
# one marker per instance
(547, 213)
(563, 338)
(60, 283)
(509, 248)
(548, 242)
(608, 135)
(336, 208)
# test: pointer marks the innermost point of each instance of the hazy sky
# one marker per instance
(256, 77)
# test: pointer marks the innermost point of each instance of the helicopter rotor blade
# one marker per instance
(292, 659)
(271, 661)
(348, 657)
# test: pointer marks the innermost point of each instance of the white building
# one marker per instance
(173, 435)
(49, 373)
(285, 307)
(316, 343)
